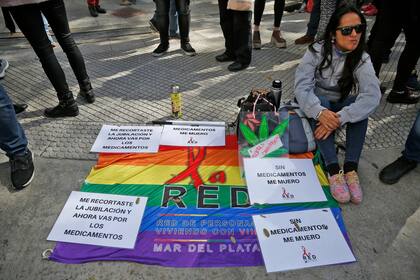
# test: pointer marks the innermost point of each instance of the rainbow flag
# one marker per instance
(198, 213)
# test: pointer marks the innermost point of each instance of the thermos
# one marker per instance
(276, 89)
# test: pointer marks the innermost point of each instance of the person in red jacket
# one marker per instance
(94, 8)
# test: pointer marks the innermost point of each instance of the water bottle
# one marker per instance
(276, 89)
(176, 102)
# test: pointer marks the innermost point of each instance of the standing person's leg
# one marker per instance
(241, 40)
(29, 20)
(407, 62)
(276, 38)
(184, 18)
(259, 6)
(8, 20)
(409, 159)
(387, 28)
(162, 10)
(55, 12)
(226, 23)
(327, 9)
(13, 141)
(412, 145)
(312, 26)
(173, 20)
(92, 8)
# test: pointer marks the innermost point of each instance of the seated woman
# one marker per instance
(335, 85)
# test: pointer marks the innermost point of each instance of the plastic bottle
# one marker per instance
(277, 91)
(176, 102)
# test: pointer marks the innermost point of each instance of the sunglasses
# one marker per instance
(347, 30)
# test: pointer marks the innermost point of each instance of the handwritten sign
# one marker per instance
(299, 239)
(193, 136)
(282, 180)
(264, 148)
(128, 139)
(100, 219)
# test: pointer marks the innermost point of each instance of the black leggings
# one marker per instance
(259, 6)
(393, 17)
(29, 20)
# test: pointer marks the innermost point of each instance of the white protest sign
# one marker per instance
(193, 136)
(264, 148)
(282, 180)
(128, 139)
(100, 219)
(300, 239)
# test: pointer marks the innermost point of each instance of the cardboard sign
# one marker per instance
(282, 180)
(264, 148)
(100, 219)
(193, 136)
(300, 239)
(128, 139)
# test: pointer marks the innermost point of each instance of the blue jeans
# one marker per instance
(355, 135)
(12, 137)
(412, 145)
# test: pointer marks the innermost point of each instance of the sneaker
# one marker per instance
(304, 40)
(188, 49)
(412, 82)
(19, 107)
(277, 40)
(394, 171)
(353, 183)
(92, 11)
(256, 40)
(153, 25)
(22, 170)
(405, 97)
(4, 64)
(100, 10)
(160, 50)
(338, 187)
(67, 108)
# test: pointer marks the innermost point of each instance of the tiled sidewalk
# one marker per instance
(132, 86)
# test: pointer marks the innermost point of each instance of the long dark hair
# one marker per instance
(347, 81)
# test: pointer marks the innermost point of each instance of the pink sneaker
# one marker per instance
(338, 187)
(355, 189)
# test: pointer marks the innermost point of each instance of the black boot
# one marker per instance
(92, 11)
(65, 108)
(100, 10)
(86, 91)
(19, 108)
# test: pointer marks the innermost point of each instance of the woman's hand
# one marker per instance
(322, 132)
(329, 119)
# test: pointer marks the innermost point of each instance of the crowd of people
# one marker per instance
(336, 82)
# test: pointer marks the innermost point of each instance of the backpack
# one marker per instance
(301, 138)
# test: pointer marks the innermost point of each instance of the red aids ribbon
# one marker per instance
(192, 168)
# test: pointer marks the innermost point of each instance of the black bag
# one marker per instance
(258, 100)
